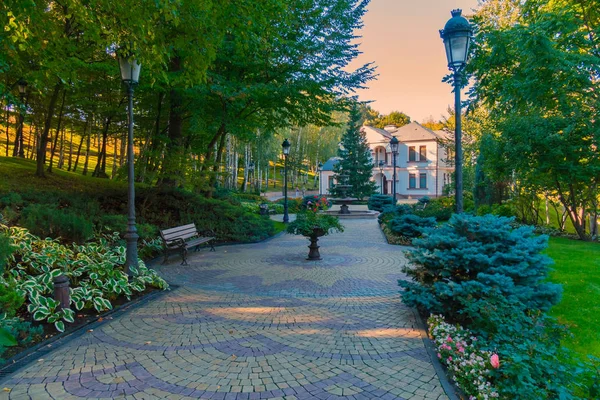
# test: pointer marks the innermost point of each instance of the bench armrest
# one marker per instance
(208, 233)
(178, 242)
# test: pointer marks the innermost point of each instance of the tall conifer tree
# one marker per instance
(356, 165)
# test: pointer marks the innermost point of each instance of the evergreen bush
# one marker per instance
(410, 225)
(389, 212)
(377, 202)
(476, 258)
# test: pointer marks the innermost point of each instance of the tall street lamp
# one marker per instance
(381, 165)
(22, 84)
(319, 169)
(286, 151)
(394, 143)
(130, 74)
(457, 36)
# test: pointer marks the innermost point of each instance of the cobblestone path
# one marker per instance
(255, 322)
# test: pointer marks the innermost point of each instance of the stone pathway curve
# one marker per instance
(255, 322)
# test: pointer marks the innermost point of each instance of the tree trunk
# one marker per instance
(83, 136)
(57, 132)
(70, 164)
(61, 154)
(87, 153)
(41, 157)
(114, 167)
(171, 174)
(100, 170)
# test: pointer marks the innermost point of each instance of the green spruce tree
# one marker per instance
(356, 166)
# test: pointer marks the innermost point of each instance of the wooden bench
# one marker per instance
(182, 238)
(264, 209)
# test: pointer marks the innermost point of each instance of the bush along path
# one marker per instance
(28, 269)
(255, 321)
(486, 282)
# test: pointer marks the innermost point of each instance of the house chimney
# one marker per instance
(390, 128)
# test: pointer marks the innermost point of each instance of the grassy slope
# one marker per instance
(17, 173)
(577, 268)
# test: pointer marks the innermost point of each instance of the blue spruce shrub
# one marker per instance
(389, 211)
(476, 258)
(378, 202)
(410, 225)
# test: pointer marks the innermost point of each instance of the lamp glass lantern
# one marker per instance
(22, 84)
(394, 143)
(286, 147)
(457, 36)
(130, 69)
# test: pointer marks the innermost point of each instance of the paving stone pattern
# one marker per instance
(255, 322)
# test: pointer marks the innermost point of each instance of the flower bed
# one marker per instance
(470, 367)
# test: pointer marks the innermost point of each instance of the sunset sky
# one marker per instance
(402, 38)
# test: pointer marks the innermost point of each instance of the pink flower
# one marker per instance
(449, 359)
(495, 361)
(449, 339)
(439, 355)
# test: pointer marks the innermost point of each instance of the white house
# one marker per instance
(421, 167)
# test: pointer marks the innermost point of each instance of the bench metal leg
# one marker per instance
(184, 256)
(212, 247)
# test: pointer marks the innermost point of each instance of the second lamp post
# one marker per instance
(130, 73)
(457, 36)
(286, 151)
(394, 147)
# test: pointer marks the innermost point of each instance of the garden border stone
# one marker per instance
(449, 388)
(29, 355)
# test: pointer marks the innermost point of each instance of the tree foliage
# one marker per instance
(536, 70)
(356, 166)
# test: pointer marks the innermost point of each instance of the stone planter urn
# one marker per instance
(313, 225)
(314, 254)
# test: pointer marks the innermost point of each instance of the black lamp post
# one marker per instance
(22, 84)
(457, 36)
(130, 74)
(319, 169)
(381, 165)
(394, 143)
(286, 151)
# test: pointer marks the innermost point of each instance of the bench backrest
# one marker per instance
(180, 232)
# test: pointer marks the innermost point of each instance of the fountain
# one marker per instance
(344, 201)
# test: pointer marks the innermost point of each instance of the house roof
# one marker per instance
(329, 164)
(414, 131)
(407, 133)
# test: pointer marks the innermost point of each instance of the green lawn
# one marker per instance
(577, 268)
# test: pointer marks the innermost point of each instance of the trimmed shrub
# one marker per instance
(47, 221)
(377, 202)
(441, 209)
(410, 225)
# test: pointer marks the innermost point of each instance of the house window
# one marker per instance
(412, 154)
(330, 182)
(423, 181)
(422, 153)
(412, 181)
